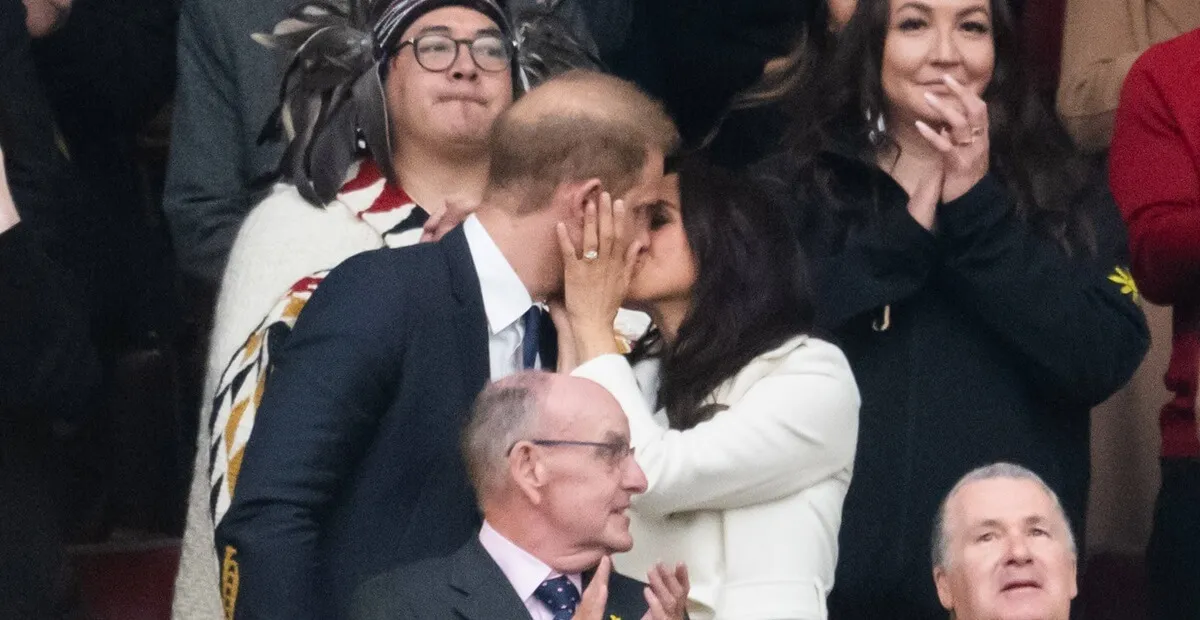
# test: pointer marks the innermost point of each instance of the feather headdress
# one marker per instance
(332, 101)
(550, 40)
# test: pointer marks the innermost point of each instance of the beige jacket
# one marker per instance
(1101, 39)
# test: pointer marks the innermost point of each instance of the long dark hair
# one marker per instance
(1031, 153)
(751, 293)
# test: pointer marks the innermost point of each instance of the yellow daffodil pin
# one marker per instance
(1125, 279)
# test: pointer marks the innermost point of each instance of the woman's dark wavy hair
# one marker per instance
(751, 293)
(1031, 153)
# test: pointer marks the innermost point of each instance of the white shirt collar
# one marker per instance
(524, 571)
(505, 298)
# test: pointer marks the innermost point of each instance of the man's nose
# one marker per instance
(464, 67)
(634, 479)
(1018, 549)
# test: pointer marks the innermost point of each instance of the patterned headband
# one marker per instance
(400, 14)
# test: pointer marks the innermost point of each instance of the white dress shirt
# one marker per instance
(505, 301)
(524, 571)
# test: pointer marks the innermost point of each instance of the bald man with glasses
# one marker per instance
(550, 460)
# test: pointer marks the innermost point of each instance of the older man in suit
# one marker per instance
(550, 460)
(352, 468)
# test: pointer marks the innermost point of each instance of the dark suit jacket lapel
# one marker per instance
(469, 321)
(485, 593)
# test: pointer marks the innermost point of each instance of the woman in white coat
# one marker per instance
(750, 454)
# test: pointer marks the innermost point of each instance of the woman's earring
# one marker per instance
(877, 129)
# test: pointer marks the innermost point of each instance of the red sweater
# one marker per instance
(1155, 176)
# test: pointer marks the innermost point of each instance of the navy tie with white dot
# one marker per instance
(560, 595)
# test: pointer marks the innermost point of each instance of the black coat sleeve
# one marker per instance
(48, 366)
(52, 198)
(856, 268)
(332, 383)
(112, 65)
(1073, 319)
(883, 261)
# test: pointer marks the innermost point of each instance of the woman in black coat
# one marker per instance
(970, 268)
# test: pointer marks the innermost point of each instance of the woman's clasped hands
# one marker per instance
(961, 138)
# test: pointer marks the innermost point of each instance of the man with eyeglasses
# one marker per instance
(550, 461)
(436, 50)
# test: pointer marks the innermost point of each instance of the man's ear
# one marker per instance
(527, 472)
(580, 194)
(941, 579)
(576, 195)
(1074, 577)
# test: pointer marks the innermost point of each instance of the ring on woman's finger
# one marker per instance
(978, 131)
(591, 255)
(967, 142)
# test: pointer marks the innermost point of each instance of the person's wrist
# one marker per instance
(591, 322)
(593, 343)
(955, 189)
(957, 186)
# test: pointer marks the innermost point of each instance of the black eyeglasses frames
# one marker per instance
(614, 452)
(438, 52)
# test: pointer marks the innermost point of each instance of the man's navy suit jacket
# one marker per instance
(353, 467)
(469, 585)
